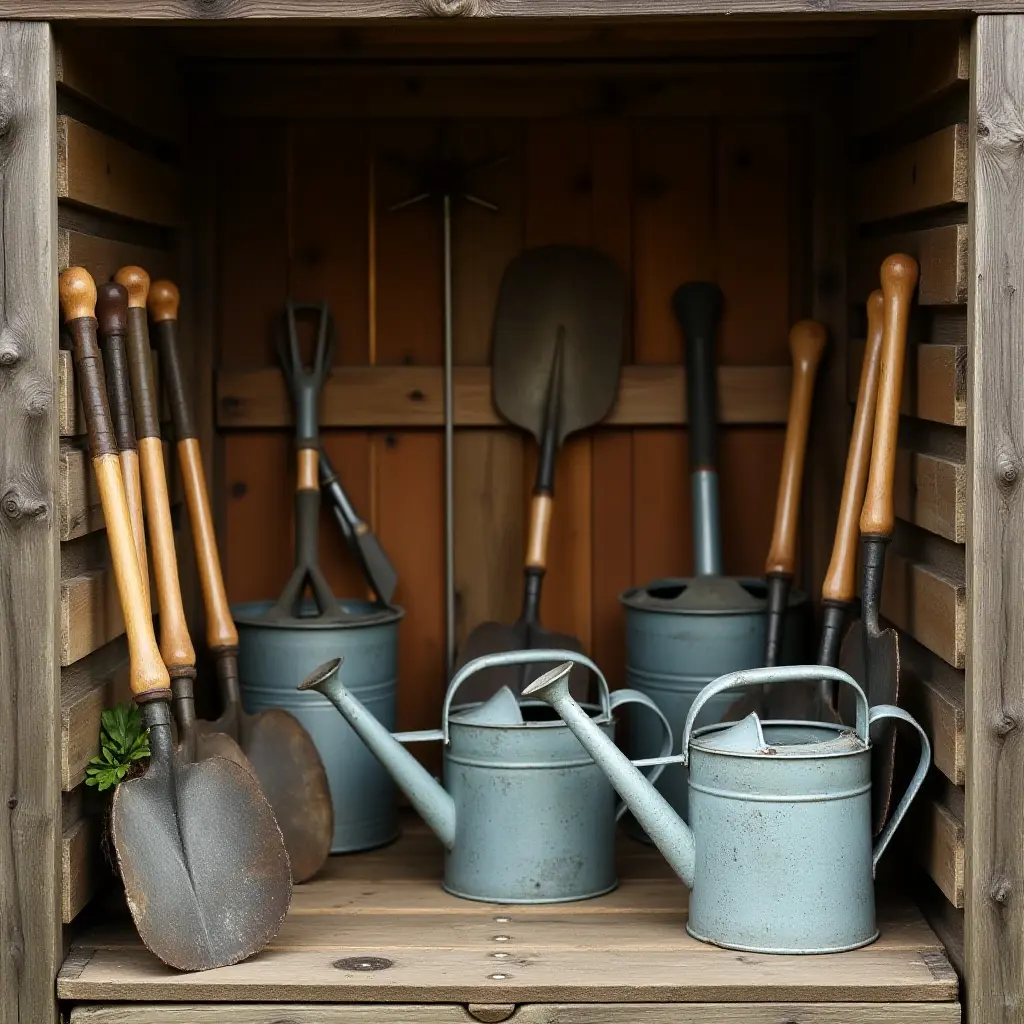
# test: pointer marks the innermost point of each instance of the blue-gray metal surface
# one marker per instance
(707, 542)
(779, 855)
(673, 653)
(273, 659)
(525, 815)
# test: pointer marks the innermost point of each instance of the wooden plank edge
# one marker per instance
(938, 843)
(79, 854)
(411, 396)
(931, 492)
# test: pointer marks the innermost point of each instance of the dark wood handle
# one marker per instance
(841, 579)
(112, 314)
(144, 397)
(149, 677)
(163, 311)
(899, 279)
(807, 340)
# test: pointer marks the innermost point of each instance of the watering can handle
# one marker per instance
(878, 712)
(520, 658)
(619, 699)
(777, 674)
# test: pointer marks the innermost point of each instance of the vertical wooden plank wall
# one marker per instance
(910, 194)
(30, 947)
(118, 132)
(670, 198)
(995, 538)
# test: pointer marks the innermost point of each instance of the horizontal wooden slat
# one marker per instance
(927, 604)
(70, 416)
(153, 101)
(100, 172)
(940, 252)
(411, 396)
(532, 1013)
(927, 174)
(90, 614)
(938, 843)
(922, 61)
(78, 868)
(89, 686)
(102, 257)
(933, 692)
(931, 492)
(934, 382)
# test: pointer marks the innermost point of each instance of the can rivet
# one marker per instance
(501, 956)
(503, 920)
(364, 963)
(502, 938)
(499, 977)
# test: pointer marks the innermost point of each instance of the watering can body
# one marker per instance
(524, 814)
(778, 850)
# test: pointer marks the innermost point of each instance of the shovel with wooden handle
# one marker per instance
(278, 748)
(870, 653)
(203, 862)
(175, 643)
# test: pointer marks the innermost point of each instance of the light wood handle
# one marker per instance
(164, 299)
(136, 281)
(840, 583)
(133, 492)
(220, 627)
(540, 526)
(899, 279)
(147, 672)
(309, 469)
(807, 340)
(175, 642)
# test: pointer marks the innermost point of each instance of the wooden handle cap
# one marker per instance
(164, 299)
(807, 341)
(136, 280)
(77, 293)
(112, 308)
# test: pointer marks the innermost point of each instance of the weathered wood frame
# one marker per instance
(30, 812)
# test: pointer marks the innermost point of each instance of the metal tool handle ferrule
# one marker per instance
(748, 678)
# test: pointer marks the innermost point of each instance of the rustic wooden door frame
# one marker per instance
(994, 900)
(30, 811)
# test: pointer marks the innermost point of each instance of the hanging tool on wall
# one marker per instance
(559, 333)
(870, 653)
(281, 752)
(443, 177)
(203, 863)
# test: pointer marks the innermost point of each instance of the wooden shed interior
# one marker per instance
(782, 159)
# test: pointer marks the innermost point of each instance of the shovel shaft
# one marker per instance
(899, 279)
(149, 677)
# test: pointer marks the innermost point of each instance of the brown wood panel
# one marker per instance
(535, 1013)
(930, 605)
(938, 843)
(103, 256)
(922, 60)
(29, 562)
(941, 254)
(488, 465)
(90, 614)
(927, 174)
(994, 869)
(78, 500)
(79, 874)
(931, 492)
(411, 396)
(934, 382)
(101, 172)
(86, 688)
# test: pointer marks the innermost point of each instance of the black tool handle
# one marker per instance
(698, 308)
(112, 316)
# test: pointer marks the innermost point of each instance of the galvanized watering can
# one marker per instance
(778, 852)
(525, 815)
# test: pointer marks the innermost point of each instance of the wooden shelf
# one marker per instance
(630, 946)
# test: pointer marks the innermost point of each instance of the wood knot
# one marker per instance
(983, 129)
(17, 507)
(1000, 890)
(7, 103)
(1007, 467)
(452, 8)
(1005, 723)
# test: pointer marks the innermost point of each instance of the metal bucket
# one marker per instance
(273, 658)
(671, 655)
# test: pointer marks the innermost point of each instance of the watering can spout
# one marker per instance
(666, 829)
(429, 798)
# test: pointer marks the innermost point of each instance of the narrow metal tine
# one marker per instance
(487, 205)
(411, 201)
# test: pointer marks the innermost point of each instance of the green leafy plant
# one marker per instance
(123, 744)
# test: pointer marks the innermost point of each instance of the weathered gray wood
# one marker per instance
(30, 809)
(994, 918)
(538, 1013)
(229, 10)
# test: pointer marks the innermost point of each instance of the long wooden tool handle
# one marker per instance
(175, 643)
(807, 340)
(840, 581)
(149, 677)
(112, 315)
(899, 279)
(164, 300)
